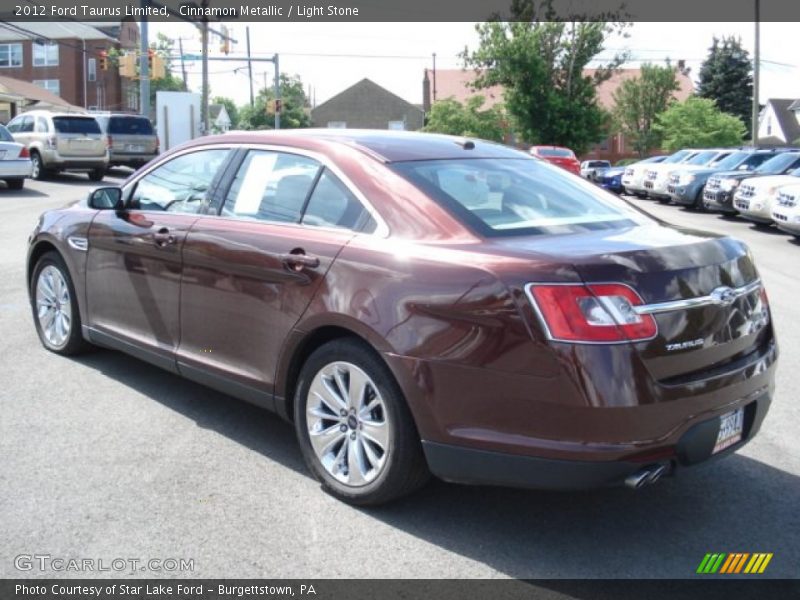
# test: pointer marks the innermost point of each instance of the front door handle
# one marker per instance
(299, 261)
(163, 237)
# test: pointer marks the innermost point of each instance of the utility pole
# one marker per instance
(144, 66)
(250, 68)
(434, 78)
(756, 72)
(204, 51)
(277, 92)
(183, 64)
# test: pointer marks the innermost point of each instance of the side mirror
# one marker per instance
(744, 167)
(106, 198)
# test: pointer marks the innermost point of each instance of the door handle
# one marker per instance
(163, 237)
(298, 261)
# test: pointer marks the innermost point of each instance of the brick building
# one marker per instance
(64, 58)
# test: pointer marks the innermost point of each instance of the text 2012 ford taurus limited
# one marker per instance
(419, 304)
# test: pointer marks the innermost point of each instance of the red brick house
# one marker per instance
(63, 57)
(457, 84)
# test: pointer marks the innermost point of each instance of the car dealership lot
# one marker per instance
(105, 457)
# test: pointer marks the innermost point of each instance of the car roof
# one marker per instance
(386, 146)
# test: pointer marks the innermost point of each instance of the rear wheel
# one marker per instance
(55, 308)
(37, 166)
(97, 174)
(354, 427)
(15, 184)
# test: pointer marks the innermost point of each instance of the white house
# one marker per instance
(218, 118)
(779, 122)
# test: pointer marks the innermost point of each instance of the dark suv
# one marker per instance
(721, 186)
(686, 187)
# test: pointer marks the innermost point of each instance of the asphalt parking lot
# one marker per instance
(106, 457)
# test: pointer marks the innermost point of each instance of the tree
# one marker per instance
(726, 77)
(169, 83)
(698, 123)
(450, 116)
(294, 107)
(230, 107)
(540, 62)
(638, 101)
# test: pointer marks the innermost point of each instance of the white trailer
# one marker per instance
(177, 118)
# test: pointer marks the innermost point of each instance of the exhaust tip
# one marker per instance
(647, 476)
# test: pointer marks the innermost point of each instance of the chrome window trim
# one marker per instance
(381, 228)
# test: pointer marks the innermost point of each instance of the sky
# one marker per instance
(330, 57)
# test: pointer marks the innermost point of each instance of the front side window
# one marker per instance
(10, 55)
(180, 185)
(45, 55)
(26, 126)
(499, 197)
(271, 186)
(15, 124)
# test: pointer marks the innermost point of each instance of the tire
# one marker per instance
(15, 184)
(97, 174)
(38, 171)
(365, 458)
(65, 340)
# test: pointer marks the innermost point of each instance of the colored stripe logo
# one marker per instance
(734, 562)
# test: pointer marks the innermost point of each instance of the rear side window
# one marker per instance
(332, 205)
(501, 197)
(84, 125)
(130, 126)
(5, 136)
(271, 186)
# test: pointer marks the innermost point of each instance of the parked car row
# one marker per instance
(762, 185)
(82, 142)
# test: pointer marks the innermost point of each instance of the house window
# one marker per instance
(10, 55)
(337, 125)
(45, 55)
(51, 85)
(92, 69)
(397, 125)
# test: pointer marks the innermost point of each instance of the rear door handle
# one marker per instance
(163, 237)
(298, 261)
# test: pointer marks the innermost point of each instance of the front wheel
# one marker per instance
(37, 166)
(55, 308)
(355, 430)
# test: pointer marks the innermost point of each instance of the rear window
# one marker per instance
(561, 152)
(5, 135)
(130, 126)
(501, 197)
(76, 125)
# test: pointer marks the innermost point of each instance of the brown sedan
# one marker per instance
(419, 304)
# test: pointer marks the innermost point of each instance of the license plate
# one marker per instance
(730, 430)
(134, 148)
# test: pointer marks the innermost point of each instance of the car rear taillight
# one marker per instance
(596, 313)
(109, 141)
(24, 153)
(158, 145)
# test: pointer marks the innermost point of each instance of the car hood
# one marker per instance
(770, 181)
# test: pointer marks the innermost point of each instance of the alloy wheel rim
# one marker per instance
(348, 424)
(53, 306)
(36, 167)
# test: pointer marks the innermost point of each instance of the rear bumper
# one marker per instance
(53, 160)
(131, 159)
(461, 464)
(16, 169)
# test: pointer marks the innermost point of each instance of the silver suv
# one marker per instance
(61, 142)
(131, 139)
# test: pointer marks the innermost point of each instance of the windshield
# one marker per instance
(732, 161)
(562, 152)
(702, 158)
(779, 164)
(130, 126)
(677, 157)
(517, 197)
(83, 125)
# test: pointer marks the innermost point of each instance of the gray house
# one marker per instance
(366, 105)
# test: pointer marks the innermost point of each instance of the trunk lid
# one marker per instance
(78, 136)
(665, 264)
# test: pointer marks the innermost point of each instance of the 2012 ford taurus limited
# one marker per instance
(419, 304)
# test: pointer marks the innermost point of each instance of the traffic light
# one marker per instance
(155, 65)
(103, 60)
(225, 41)
(278, 105)
(274, 106)
(127, 65)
